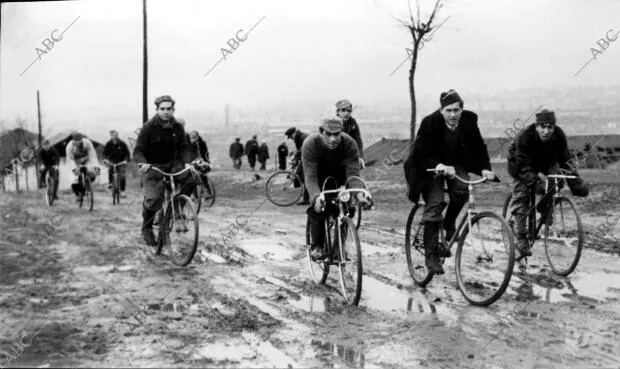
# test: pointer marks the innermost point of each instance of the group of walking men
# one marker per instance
(252, 150)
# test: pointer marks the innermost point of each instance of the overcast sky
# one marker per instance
(301, 50)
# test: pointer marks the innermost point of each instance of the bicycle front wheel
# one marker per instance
(350, 265)
(414, 247)
(197, 197)
(209, 193)
(484, 259)
(319, 270)
(183, 233)
(90, 196)
(280, 188)
(49, 192)
(563, 237)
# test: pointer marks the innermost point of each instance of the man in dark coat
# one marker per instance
(448, 140)
(236, 152)
(282, 154)
(344, 108)
(539, 150)
(161, 143)
(49, 159)
(116, 151)
(251, 150)
(263, 154)
(298, 138)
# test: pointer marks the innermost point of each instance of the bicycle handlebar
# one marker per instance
(342, 190)
(114, 165)
(561, 176)
(167, 174)
(482, 180)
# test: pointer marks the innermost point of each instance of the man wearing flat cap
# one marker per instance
(116, 151)
(330, 153)
(344, 108)
(235, 151)
(448, 140)
(298, 138)
(161, 143)
(539, 150)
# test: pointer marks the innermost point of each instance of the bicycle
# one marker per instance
(284, 187)
(86, 185)
(478, 267)
(338, 230)
(116, 181)
(177, 211)
(198, 195)
(562, 242)
(50, 182)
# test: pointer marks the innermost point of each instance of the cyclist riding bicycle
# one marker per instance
(448, 140)
(330, 153)
(81, 151)
(200, 152)
(539, 150)
(49, 159)
(116, 151)
(298, 137)
(162, 143)
(344, 108)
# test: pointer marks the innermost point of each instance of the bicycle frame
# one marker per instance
(170, 187)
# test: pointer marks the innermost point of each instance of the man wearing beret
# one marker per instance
(298, 138)
(448, 140)
(162, 143)
(344, 108)
(330, 153)
(539, 150)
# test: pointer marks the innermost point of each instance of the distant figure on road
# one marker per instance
(251, 150)
(263, 154)
(49, 159)
(116, 151)
(282, 154)
(344, 108)
(236, 152)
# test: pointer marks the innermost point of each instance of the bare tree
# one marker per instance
(418, 29)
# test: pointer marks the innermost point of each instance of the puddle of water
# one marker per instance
(265, 248)
(327, 351)
(160, 306)
(310, 304)
(275, 357)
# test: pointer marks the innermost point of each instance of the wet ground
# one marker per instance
(79, 289)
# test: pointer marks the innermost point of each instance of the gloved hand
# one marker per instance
(447, 170)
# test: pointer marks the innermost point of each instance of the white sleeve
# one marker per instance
(68, 151)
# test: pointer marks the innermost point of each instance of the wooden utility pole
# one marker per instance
(145, 65)
(39, 116)
(37, 174)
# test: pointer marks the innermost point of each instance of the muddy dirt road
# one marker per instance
(79, 289)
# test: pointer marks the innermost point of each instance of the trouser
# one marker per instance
(120, 170)
(521, 194)
(154, 190)
(252, 160)
(282, 162)
(77, 186)
(300, 174)
(53, 173)
(262, 162)
(237, 163)
(317, 222)
(433, 195)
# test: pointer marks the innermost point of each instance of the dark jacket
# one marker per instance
(116, 152)
(528, 155)
(299, 139)
(320, 163)
(49, 157)
(351, 128)
(429, 150)
(251, 147)
(203, 149)
(156, 145)
(263, 152)
(283, 150)
(236, 150)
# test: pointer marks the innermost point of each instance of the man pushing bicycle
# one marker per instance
(161, 143)
(539, 150)
(329, 153)
(448, 140)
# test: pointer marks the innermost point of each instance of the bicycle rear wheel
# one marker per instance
(485, 258)
(197, 197)
(280, 188)
(319, 270)
(49, 191)
(116, 191)
(563, 237)
(183, 233)
(414, 247)
(209, 193)
(161, 230)
(350, 265)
